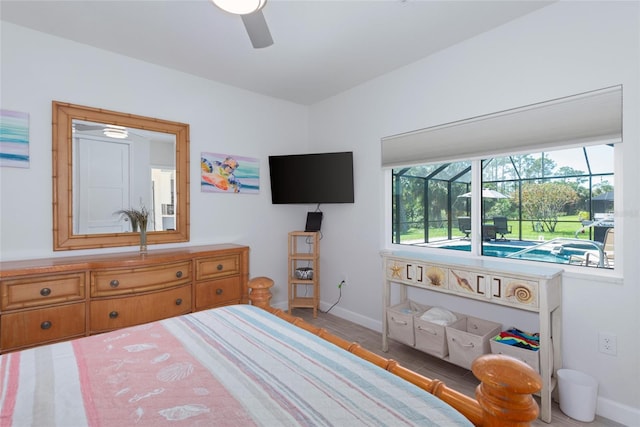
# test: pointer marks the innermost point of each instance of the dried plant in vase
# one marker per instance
(138, 219)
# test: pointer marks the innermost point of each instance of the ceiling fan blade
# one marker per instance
(257, 29)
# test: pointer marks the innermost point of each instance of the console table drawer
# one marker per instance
(43, 325)
(218, 292)
(516, 292)
(214, 267)
(417, 273)
(118, 313)
(42, 290)
(132, 280)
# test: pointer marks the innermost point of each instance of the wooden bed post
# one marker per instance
(505, 390)
(260, 294)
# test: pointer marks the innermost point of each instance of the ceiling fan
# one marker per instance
(252, 17)
(110, 130)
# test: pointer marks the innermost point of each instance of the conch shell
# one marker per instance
(521, 292)
(462, 282)
(435, 276)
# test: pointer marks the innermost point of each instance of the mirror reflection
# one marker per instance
(106, 162)
(117, 168)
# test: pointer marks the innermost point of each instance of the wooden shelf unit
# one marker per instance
(529, 288)
(304, 252)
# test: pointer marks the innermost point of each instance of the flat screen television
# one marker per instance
(312, 178)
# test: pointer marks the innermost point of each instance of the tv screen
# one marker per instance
(312, 178)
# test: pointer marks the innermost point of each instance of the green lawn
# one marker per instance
(566, 227)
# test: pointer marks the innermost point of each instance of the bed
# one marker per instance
(234, 365)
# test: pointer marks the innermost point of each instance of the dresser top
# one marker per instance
(116, 259)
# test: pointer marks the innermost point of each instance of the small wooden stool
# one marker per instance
(260, 294)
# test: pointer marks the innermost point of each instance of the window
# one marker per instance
(427, 198)
(534, 182)
(549, 206)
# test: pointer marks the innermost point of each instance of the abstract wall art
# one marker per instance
(14, 139)
(226, 173)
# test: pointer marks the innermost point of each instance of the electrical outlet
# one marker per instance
(607, 343)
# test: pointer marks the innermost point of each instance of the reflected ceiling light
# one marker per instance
(113, 131)
(240, 7)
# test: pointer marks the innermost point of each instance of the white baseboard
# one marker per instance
(367, 322)
(618, 412)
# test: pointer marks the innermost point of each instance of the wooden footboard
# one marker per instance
(503, 397)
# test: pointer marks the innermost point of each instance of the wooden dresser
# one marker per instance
(55, 299)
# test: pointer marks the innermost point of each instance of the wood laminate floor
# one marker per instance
(454, 376)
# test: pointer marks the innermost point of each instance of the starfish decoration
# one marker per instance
(395, 271)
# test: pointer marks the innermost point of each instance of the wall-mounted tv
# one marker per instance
(312, 178)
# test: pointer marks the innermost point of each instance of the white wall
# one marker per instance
(560, 50)
(38, 68)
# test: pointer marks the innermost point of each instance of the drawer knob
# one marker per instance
(178, 274)
(219, 267)
(114, 283)
(179, 301)
(45, 292)
(45, 325)
(113, 315)
(218, 291)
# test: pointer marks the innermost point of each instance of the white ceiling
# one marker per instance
(320, 49)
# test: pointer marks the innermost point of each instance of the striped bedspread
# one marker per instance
(230, 366)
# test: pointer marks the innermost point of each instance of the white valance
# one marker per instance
(590, 118)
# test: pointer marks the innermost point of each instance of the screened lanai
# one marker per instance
(546, 206)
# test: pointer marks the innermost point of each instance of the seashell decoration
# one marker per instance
(521, 292)
(175, 372)
(137, 414)
(109, 339)
(122, 391)
(183, 412)
(200, 391)
(160, 358)
(135, 348)
(463, 282)
(117, 378)
(435, 276)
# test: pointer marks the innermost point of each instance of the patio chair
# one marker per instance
(607, 247)
(501, 226)
(464, 225)
(591, 258)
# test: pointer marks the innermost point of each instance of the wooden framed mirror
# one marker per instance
(104, 162)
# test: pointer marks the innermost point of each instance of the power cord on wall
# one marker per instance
(339, 296)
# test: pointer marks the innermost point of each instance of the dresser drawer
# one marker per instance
(43, 325)
(218, 292)
(117, 313)
(42, 290)
(131, 280)
(215, 267)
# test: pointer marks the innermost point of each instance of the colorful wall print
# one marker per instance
(225, 173)
(14, 139)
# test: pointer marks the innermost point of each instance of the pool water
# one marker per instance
(554, 254)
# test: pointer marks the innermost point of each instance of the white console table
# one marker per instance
(532, 288)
